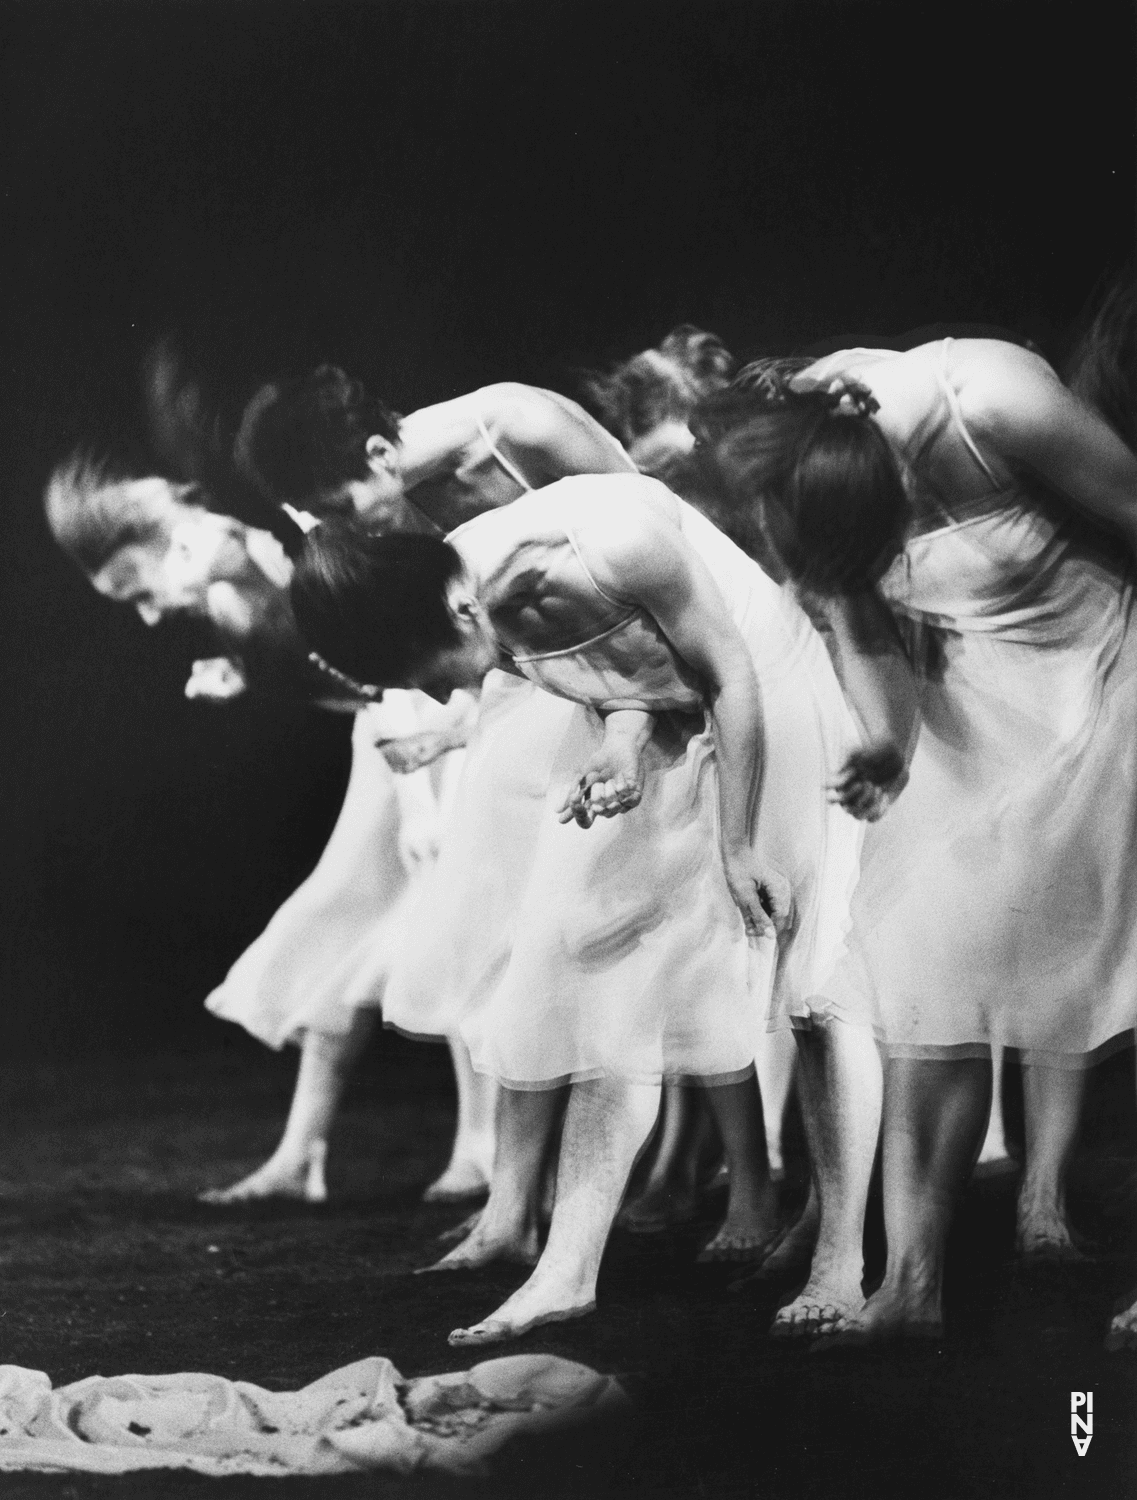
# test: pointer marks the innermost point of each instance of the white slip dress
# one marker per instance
(997, 896)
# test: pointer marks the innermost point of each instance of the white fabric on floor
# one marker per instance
(364, 1416)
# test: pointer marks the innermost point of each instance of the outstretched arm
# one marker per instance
(639, 556)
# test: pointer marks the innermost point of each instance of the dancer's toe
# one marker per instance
(809, 1320)
(736, 1247)
(492, 1331)
(500, 1330)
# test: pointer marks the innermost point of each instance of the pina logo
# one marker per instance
(1081, 1401)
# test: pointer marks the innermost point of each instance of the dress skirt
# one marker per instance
(327, 952)
(997, 897)
(627, 956)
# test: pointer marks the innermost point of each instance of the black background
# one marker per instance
(437, 195)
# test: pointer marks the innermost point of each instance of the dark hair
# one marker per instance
(300, 439)
(1103, 369)
(374, 607)
(811, 471)
(660, 385)
(93, 513)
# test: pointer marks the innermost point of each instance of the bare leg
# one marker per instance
(1052, 1107)
(471, 1159)
(775, 1059)
(993, 1154)
(683, 1142)
(506, 1229)
(752, 1208)
(296, 1167)
(840, 1083)
(606, 1125)
(934, 1117)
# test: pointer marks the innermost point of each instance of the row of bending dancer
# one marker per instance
(648, 401)
(697, 702)
(962, 527)
(318, 973)
(320, 445)
(417, 473)
(450, 463)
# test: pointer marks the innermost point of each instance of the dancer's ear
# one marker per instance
(382, 455)
(462, 605)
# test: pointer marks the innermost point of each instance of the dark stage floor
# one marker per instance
(111, 1267)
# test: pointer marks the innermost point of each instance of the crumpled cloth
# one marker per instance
(364, 1416)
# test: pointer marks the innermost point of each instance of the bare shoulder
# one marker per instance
(1002, 386)
(511, 404)
(522, 416)
(627, 526)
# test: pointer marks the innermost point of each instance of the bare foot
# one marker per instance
(749, 1230)
(280, 1177)
(822, 1308)
(736, 1245)
(462, 1181)
(792, 1251)
(458, 1232)
(528, 1308)
(899, 1311)
(486, 1244)
(1046, 1236)
(1123, 1331)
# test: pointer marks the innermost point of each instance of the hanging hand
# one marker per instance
(611, 783)
(870, 782)
(762, 895)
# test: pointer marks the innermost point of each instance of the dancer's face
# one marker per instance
(465, 664)
(377, 500)
(186, 551)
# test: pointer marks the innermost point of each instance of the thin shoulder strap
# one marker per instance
(957, 414)
(511, 469)
(620, 603)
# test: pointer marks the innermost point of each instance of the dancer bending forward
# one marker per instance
(635, 948)
(967, 527)
(316, 975)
